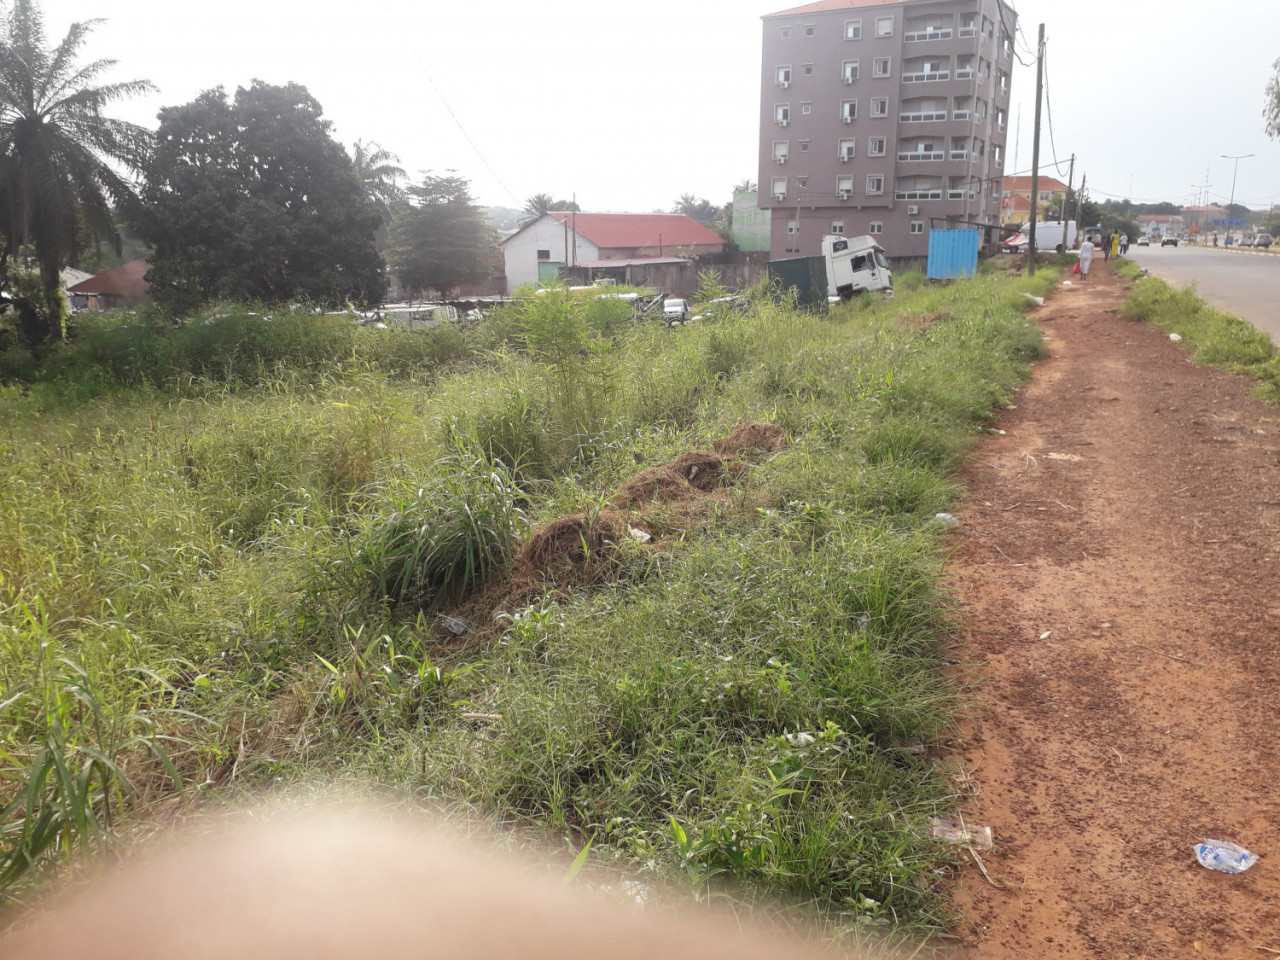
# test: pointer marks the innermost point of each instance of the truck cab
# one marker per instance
(855, 265)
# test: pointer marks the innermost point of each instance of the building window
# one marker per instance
(544, 254)
(808, 70)
(802, 182)
(786, 34)
(849, 70)
(884, 26)
(875, 184)
(808, 31)
(853, 29)
(806, 108)
(804, 146)
(793, 227)
(876, 146)
(782, 114)
(917, 226)
(837, 226)
(846, 149)
(882, 67)
(781, 148)
(875, 226)
(849, 110)
(778, 187)
(784, 76)
(997, 155)
(844, 187)
(880, 107)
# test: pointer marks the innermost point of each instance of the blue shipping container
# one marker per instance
(953, 254)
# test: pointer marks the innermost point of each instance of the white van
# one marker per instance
(1048, 237)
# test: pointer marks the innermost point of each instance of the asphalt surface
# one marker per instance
(1242, 283)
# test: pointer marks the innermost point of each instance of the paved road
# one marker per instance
(1245, 284)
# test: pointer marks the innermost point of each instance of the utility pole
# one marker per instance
(1035, 155)
(1071, 176)
(1080, 198)
(1232, 203)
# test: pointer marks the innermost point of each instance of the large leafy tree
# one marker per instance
(1271, 107)
(697, 208)
(252, 199)
(441, 240)
(60, 157)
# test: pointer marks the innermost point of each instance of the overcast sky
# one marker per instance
(632, 104)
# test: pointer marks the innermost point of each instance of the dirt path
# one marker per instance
(1120, 576)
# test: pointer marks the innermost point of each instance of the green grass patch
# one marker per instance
(1214, 338)
(242, 538)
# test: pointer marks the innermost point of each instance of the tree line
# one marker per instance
(245, 196)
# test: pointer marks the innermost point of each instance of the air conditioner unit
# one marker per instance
(782, 159)
(847, 119)
(779, 196)
(784, 83)
(844, 194)
(848, 78)
(844, 158)
(782, 123)
(913, 210)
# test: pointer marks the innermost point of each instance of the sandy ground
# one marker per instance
(1118, 567)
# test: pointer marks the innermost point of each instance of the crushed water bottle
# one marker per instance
(1224, 856)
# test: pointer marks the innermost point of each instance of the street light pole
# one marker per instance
(1232, 202)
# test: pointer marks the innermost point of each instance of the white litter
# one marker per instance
(1175, 338)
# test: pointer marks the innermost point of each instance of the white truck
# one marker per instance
(1048, 237)
(855, 265)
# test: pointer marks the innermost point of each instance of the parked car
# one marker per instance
(1169, 242)
(1263, 240)
(1246, 240)
(1144, 241)
(676, 311)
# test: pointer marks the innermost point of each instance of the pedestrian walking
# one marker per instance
(1106, 248)
(1124, 244)
(1115, 245)
(1086, 258)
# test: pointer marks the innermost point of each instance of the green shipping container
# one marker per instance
(807, 275)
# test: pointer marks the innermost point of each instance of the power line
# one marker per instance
(467, 137)
(1048, 103)
(1013, 38)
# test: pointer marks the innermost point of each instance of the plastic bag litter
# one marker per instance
(1224, 856)
(947, 520)
(1175, 338)
(968, 834)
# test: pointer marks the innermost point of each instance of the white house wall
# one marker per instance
(521, 250)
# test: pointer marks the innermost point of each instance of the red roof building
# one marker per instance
(536, 252)
(1015, 197)
(120, 286)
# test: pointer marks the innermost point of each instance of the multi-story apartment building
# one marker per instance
(883, 117)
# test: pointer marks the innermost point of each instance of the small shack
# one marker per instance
(122, 286)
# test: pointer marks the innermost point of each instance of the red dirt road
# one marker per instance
(1119, 571)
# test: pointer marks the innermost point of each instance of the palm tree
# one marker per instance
(381, 174)
(536, 206)
(57, 182)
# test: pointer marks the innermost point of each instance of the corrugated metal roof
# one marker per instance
(125, 280)
(1018, 184)
(613, 230)
(633, 262)
(823, 6)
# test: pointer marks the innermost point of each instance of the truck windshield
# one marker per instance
(881, 260)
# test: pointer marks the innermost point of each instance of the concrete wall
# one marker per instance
(824, 89)
(520, 251)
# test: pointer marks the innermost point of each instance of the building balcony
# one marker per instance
(923, 35)
(930, 77)
(917, 195)
(920, 156)
(922, 117)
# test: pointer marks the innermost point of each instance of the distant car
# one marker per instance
(676, 311)
(1144, 241)
(1263, 240)
(1246, 240)
(1169, 242)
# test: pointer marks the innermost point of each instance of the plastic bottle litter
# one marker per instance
(1224, 856)
(456, 626)
(947, 520)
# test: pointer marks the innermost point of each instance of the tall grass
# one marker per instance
(271, 528)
